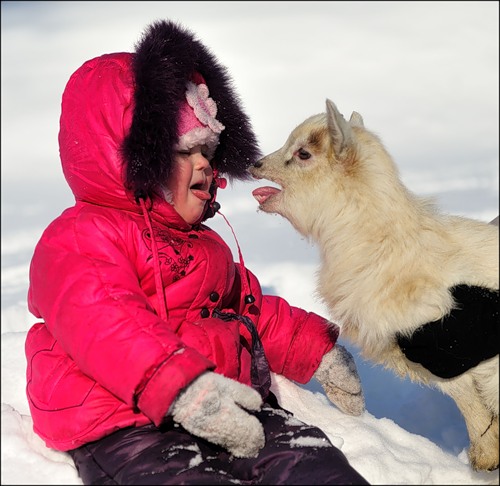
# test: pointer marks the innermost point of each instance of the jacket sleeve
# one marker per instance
(83, 284)
(294, 340)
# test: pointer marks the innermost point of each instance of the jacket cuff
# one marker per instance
(320, 335)
(164, 386)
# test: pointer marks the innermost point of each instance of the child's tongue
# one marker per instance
(203, 195)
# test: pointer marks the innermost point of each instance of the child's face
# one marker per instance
(189, 184)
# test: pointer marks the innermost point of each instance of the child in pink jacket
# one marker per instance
(151, 361)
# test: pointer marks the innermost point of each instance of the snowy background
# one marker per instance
(424, 75)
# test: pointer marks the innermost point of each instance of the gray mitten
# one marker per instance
(339, 377)
(212, 407)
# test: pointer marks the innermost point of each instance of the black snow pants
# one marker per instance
(294, 453)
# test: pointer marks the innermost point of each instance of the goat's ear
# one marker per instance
(356, 120)
(340, 130)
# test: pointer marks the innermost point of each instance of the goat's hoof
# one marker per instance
(483, 459)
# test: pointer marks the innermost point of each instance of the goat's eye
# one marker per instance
(303, 154)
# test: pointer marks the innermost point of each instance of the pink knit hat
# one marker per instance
(197, 124)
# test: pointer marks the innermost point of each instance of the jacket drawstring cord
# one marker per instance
(260, 371)
(249, 298)
(160, 291)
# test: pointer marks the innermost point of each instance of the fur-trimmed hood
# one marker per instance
(118, 124)
(165, 59)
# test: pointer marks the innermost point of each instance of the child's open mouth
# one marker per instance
(200, 191)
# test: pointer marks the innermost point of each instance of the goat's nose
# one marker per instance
(257, 164)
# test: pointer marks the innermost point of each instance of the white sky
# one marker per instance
(424, 75)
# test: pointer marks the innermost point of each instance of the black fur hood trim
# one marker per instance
(164, 60)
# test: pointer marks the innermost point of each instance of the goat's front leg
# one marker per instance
(482, 425)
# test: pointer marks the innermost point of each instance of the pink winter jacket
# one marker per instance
(101, 358)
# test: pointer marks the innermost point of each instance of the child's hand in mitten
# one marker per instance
(213, 407)
(339, 377)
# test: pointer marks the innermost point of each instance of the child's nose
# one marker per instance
(201, 161)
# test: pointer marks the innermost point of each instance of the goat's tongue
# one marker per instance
(261, 194)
